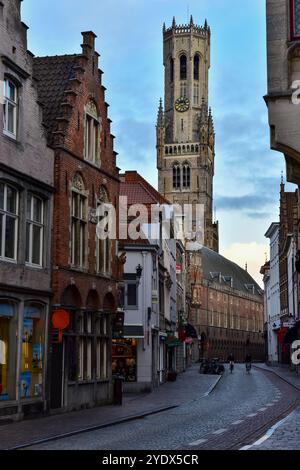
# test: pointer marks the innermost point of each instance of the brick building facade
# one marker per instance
(85, 269)
(26, 198)
(227, 307)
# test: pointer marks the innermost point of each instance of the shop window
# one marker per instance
(34, 230)
(9, 202)
(92, 134)
(124, 358)
(32, 364)
(88, 347)
(79, 223)
(10, 116)
(8, 351)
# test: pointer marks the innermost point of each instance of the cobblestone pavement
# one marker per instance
(188, 386)
(285, 437)
(236, 413)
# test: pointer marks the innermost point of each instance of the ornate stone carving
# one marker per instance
(78, 182)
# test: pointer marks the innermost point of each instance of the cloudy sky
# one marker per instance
(130, 43)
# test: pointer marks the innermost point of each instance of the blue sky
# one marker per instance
(130, 43)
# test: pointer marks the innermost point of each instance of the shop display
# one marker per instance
(32, 353)
(124, 359)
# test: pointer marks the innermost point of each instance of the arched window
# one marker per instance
(186, 176)
(79, 222)
(176, 176)
(196, 67)
(183, 67)
(92, 133)
(103, 244)
(171, 70)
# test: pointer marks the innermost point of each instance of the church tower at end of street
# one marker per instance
(185, 129)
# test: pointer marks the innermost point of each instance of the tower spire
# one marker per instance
(191, 21)
(174, 22)
(160, 116)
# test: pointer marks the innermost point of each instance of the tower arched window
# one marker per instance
(183, 67)
(196, 67)
(176, 176)
(171, 70)
(186, 176)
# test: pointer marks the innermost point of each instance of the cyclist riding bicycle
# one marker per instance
(231, 361)
(248, 361)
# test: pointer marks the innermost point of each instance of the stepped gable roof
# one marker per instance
(53, 75)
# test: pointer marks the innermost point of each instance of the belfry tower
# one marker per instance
(185, 129)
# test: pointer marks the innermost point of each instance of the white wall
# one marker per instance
(273, 295)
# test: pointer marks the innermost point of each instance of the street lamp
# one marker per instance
(139, 271)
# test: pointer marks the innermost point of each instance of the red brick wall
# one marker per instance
(69, 160)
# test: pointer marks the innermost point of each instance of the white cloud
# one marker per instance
(254, 254)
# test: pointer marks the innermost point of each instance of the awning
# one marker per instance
(133, 331)
(190, 331)
(173, 342)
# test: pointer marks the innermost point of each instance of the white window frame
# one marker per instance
(14, 104)
(131, 307)
(92, 135)
(6, 214)
(40, 225)
(82, 220)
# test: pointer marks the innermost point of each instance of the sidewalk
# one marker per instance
(189, 386)
(283, 372)
(285, 435)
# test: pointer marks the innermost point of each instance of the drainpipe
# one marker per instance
(144, 309)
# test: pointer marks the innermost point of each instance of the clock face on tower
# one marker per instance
(182, 105)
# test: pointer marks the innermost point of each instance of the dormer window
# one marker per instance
(10, 115)
(92, 134)
(295, 19)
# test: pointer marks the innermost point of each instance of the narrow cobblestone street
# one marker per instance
(237, 412)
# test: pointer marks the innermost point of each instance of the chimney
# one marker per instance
(88, 46)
